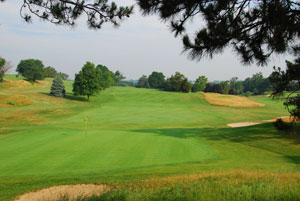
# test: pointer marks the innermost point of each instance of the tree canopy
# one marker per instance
(156, 80)
(67, 12)
(31, 69)
(63, 76)
(178, 82)
(87, 81)
(5, 66)
(288, 80)
(2, 63)
(143, 82)
(107, 77)
(200, 84)
(50, 72)
(255, 29)
(118, 78)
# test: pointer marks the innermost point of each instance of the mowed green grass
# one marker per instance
(129, 133)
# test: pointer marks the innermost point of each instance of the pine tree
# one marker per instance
(58, 88)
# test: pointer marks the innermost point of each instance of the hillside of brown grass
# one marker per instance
(230, 100)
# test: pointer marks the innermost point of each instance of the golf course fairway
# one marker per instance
(128, 134)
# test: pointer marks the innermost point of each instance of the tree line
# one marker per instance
(255, 85)
(89, 81)
(34, 69)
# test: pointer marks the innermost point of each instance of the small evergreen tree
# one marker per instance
(58, 88)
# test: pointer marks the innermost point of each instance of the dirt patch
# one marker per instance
(230, 100)
(14, 100)
(71, 192)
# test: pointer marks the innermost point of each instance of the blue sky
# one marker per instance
(139, 46)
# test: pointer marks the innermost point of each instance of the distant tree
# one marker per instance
(186, 86)
(200, 84)
(118, 78)
(2, 63)
(177, 82)
(5, 66)
(213, 87)
(57, 87)
(63, 76)
(174, 82)
(254, 29)
(107, 78)
(143, 82)
(129, 83)
(257, 84)
(225, 86)
(156, 80)
(31, 69)
(50, 72)
(236, 87)
(87, 81)
(281, 81)
(102, 68)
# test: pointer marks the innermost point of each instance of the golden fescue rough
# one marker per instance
(71, 192)
(14, 100)
(33, 117)
(230, 100)
(227, 177)
(23, 84)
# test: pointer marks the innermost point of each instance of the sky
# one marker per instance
(141, 45)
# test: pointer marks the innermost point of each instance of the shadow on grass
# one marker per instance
(245, 134)
(258, 136)
(69, 96)
(294, 159)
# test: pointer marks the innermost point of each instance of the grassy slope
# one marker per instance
(133, 133)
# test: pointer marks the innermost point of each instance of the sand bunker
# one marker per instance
(14, 100)
(252, 123)
(230, 100)
(243, 124)
(72, 192)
